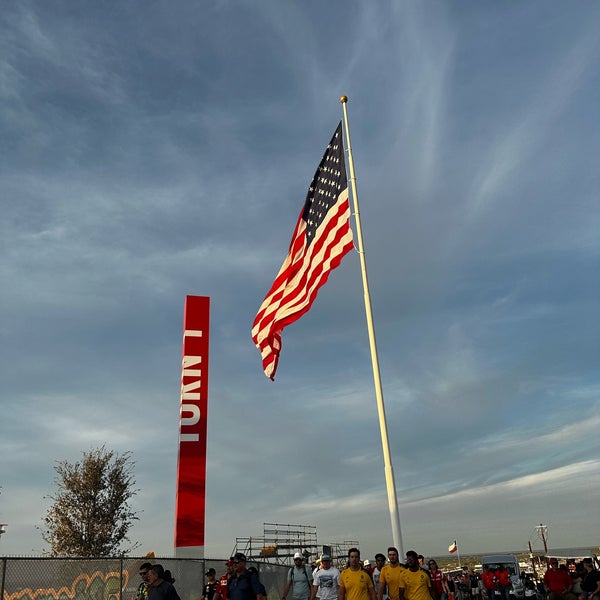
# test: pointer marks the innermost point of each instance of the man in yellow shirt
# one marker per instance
(355, 583)
(390, 576)
(415, 583)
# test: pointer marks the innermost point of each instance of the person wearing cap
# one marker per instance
(389, 578)
(244, 585)
(326, 580)
(221, 592)
(558, 583)
(211, 585)
(299, 580)
(355, 583)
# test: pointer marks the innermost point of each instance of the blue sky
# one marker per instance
(157, 150)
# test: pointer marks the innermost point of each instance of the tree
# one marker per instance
(91, 515)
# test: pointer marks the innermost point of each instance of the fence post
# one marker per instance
(3, 578)
(121, 579)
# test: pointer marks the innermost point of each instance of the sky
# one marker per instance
(156, 150)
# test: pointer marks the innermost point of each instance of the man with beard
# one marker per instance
(389, 578)
(415, 583)
(355, 583)
(299, 580)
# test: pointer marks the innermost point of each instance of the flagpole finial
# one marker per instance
(343, 99)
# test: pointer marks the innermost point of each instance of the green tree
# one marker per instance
(91, 515)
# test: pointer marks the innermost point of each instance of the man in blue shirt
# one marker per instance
(158, 588)
(244, 585)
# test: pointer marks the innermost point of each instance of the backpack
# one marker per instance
(291, 574)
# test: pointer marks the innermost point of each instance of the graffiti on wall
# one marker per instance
(98, 586)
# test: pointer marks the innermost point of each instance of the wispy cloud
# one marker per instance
(149, 156)
(529, 132)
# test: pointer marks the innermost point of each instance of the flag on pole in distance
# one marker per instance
(321, 238)
(452, 547)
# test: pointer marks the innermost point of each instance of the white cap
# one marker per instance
(298, 555)
(366, 563)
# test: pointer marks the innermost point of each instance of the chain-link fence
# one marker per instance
(113, 578)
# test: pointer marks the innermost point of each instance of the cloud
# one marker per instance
(149, 156)
(517, 147)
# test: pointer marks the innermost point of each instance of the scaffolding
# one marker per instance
(339, 552)
(280, 542)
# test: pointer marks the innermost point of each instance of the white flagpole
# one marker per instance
(387, 459)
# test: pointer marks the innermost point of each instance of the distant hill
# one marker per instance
(450, 563)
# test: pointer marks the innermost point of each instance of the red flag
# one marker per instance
(452, 547)
(321, 239)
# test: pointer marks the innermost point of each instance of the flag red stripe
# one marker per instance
(292, 280)
(321, 238)
(327, 254)
(302, 274)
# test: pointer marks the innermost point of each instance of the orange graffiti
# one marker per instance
(98, 586)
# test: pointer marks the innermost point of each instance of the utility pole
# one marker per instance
(531, 557)
(543, 532)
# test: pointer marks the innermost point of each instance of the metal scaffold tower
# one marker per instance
(280, 542)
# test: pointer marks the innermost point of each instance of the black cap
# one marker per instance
(211, 571)
(239, 557)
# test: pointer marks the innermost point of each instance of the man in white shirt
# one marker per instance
(326, 580)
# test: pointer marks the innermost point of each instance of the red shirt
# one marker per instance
(221, 591)
(438, 578)
(558, 580)
(503, 576)
(489, 580)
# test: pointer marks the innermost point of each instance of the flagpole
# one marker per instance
(387, 459)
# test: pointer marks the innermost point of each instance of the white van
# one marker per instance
(510, 561)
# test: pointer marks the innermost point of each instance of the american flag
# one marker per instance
(321, 239)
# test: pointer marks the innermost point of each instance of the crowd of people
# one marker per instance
(238, 583)
(582, 582)
(387, 579)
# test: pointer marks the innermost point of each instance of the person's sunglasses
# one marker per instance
(142, 573)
